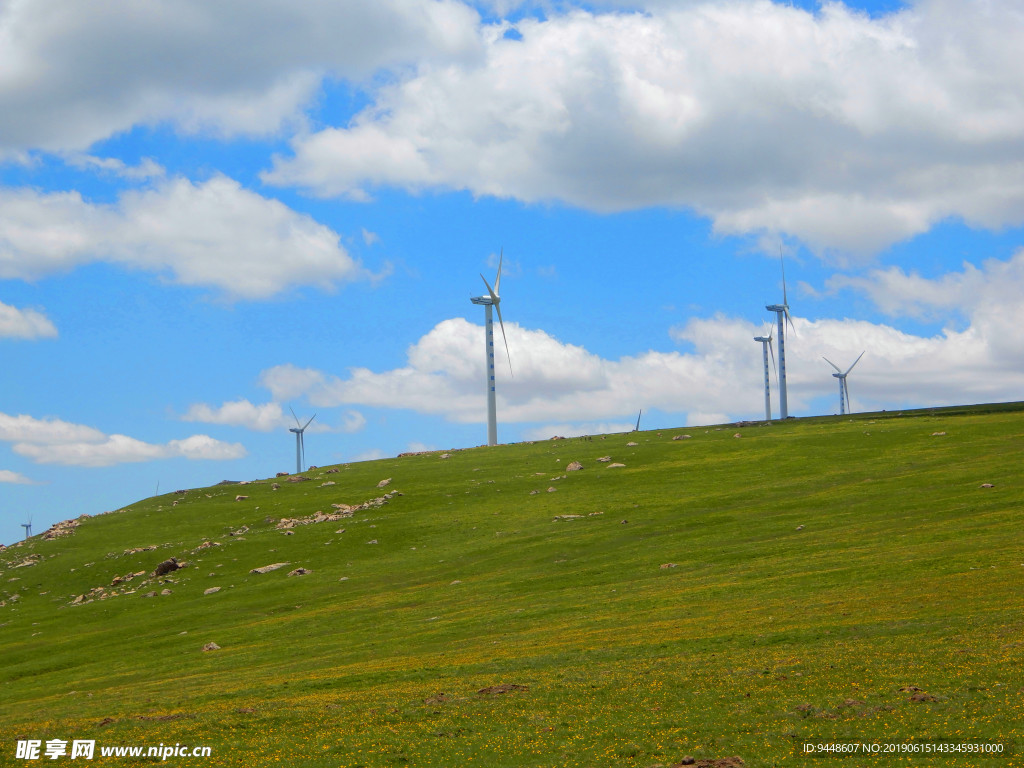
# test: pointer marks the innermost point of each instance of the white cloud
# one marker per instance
(72, 74)
(25, 324)
(8, 476)
(846, 131)
(370, 455)
(240, 413)
(548, 431)
(267, 417)
(53, 441)
(572, 390)
(146, 169)
(213, 233)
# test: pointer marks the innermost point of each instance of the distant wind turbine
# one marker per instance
(766, 346)
(844, 388)
(28, 528)
(492, 299)
(782, 313)
(300, 442)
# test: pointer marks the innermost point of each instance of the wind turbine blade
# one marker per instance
(497, 280)
(494, 296)
(782, 261)
(294, 416)
(638, 420)
(774, 366)
(309, 422)
(838, 369)
(856, 361)
(497, 306)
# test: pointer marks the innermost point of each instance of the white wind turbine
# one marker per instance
(782, 313)
(766, 346)
(492, 299)
(300, 442)
(28, 528)
(844, 388)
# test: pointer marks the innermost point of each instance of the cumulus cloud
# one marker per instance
(53, 441)
(15, 478)
(71, 75)
(568, 389)
(213, 233)
(25, 324)
(267, 417)
(846, 131)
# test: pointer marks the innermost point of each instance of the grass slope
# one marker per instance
(820, 566)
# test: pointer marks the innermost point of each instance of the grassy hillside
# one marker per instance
(738, 593)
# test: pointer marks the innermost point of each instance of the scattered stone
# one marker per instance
(333, 471)
(938, 434)
(632, 445)
(136, 550)
(150, 594)
(165, 592)
(799, 527)
(384, 483)
(909, 689)
(340, 530)
(167, 566)
(457, 581)
(445, 455)
(616, 464)
(566, 517)
(552, 489)
(275, 487)
(240, 532)
(503, 688)
(372, 541)
(287, 533)
(343, 578)
(211, 591)
(329, 482)
(437, 698)
(605, 458)
(624, 522)
(297, 479)
(534, 492)
(207, 545)
(921, 696)
(682, 437)
(667, 565)
(211, 647)
(573, 466)
(78, 600)
(65, 528)
(268, 568)
(240, 497)
(737, 435)
(299, 572)
(987, 485)
(282, 474)
(245, 711)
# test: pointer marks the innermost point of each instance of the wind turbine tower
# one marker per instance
(300, 442)
(844, 389)
(766, 345)
(28, 528)
(492, 301)
(782, 313)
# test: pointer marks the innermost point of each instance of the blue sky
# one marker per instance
(209, 219)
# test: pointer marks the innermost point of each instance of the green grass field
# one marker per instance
(718, 596)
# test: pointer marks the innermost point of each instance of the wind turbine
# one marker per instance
(766, 345)
(492, 299)
(28, 528)
(782, 311)
(300, 443)
(844, 388)
(637, 428)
